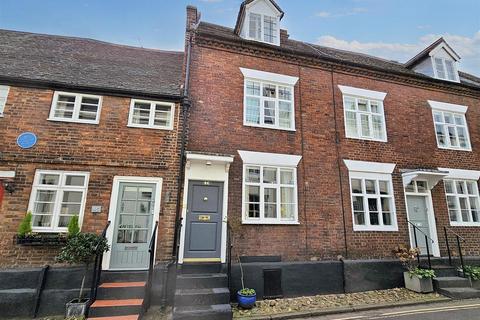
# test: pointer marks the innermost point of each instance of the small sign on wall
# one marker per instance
(96, 209)
(26, 140)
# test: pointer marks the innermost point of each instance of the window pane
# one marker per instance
(63, 221)
(72, 196)
(438, 117)
(141, 113)
(448, 118)
(384, 187)
(441, 135)
(358, 203)
(270, 195)
(126, 221)
(65, 106)
(462, 137)
(452, 135)
(450, 69)
(464, 209)
(75, 181)
(474, 209)
(439, 68)
(459, 120)
(255, 26)
(41, 221)
(285, 114)
(410, 187)
(471, 187)
(49, 179)
(253, 174)
(124, 236)
(365, 124)
(286, 176)
(141, 221)
(253, 210)
(351, 124)
(358, 211)
(349, 103)
(253, 110)
(45, 196)
(269, 112)
(252, 193)
(162, 115)
(88, 108)
(269, 175)
(452, 208)
(270, 29)
(287, 195)
(386, 204)
(285, 93)
(421, 186)
(43, 208)
(356, 185)
(253, 88)
(448, 186)
(270, 210)
(370, 186)
(387, 218)
(377, 122)
(287, 211)
(140, 236)
(269, 91)
(460, 185)
(375, 107)
(362, 105)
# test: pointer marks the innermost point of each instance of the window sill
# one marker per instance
(366, 139)
(42, 239)
(375, 229)
(465, 224)
(263, 222)
(455, 149)
(148, 127)
(73, 121)
(267, 127)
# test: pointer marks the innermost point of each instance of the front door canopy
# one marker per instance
(432, 176)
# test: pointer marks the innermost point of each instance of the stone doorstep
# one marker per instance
(329, 311)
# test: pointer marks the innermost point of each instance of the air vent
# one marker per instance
(272, 283)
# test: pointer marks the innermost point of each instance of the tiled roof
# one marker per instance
(89, 64)
(329, 54)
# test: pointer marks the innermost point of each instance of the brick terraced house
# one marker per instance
(309, 164)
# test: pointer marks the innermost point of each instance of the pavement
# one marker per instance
(453, 310)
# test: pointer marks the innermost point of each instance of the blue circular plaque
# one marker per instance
(26, 140)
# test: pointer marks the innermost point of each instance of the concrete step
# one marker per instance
(211, 312)
(445, 271)
(128, 317)
(115, 307)
(202, 280)
(451, 282)
(460, 293)
(121, 290)
(123, 276)
(205, 296)
(197, 268)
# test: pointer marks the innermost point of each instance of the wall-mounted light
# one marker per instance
(208, 163)
(9, 186)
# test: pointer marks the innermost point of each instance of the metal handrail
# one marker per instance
(229, 258)
(97, 266)
(415, 228)
(459, 246)
(151, 251)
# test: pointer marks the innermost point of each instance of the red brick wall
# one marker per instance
(216, 125)
(105, 150)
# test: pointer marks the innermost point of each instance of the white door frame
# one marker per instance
(431, 220)
(206, 168)
(112, 214)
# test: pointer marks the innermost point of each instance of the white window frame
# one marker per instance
(369, 96)
(444, 66)
(270, 160)
(60, 188)
(454, 110)
(372, 171)
(467, 196)
(262, 28)
(4, 90)
(268, 78)
(76, 109)
(151, 115)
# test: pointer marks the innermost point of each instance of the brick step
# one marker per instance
(121, 290)
(460, 293)
(210, 312)
(197, 268)
(205, 296)
(115, 307)
(123, 276)
(129, 317)
(201, 281)
(445, 271)
(451, 282)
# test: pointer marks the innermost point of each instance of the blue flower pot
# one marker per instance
(246, 302)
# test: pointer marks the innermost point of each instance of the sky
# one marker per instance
(392, 29)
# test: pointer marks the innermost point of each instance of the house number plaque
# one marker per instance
(204, 218)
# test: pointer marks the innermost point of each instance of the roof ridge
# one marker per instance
(93, 40)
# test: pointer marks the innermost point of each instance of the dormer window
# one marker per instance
(263, 28)
(445, 69)
(255, 26)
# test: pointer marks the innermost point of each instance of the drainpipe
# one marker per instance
(186, 104)
(339, 163)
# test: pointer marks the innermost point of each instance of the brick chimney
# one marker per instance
(283, 36)
(193, 16)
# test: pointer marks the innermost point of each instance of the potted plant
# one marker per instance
(246, 297)
(416, 278)
(81, 248)
(473, 273)
(25, 236)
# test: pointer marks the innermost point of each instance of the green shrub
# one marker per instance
(422, 273)
(247, 292)
(25, 227)
(73, 227)
(472, 272)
